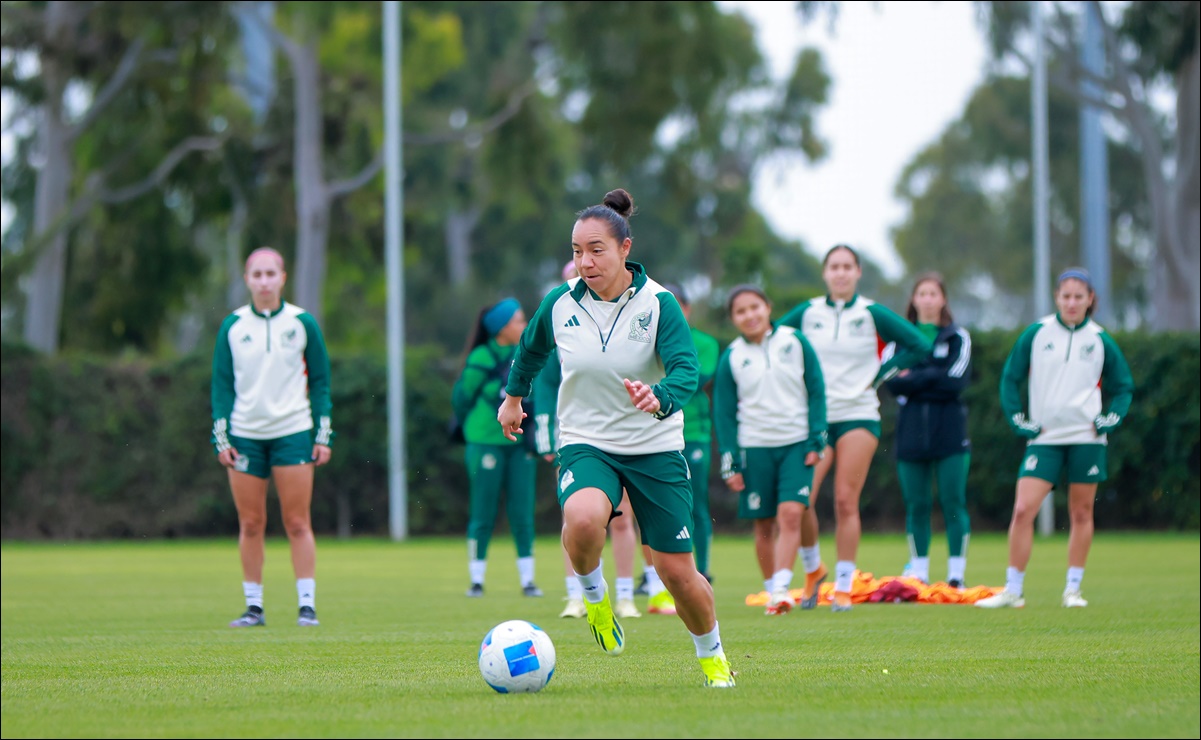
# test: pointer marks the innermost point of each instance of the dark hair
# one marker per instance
(835, 248)
(678, 291)
(615, 210)
(478, 335)
(738, 290)
(1081, 274)
(944, 316)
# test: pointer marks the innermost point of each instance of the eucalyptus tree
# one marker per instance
(1147, 46)
(68, 68)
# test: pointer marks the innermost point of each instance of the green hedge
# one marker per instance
(102, 447)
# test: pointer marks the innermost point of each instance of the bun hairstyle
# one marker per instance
(615, 210)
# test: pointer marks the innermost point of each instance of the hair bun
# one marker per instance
(621, 201)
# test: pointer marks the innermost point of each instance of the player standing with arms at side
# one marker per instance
(847, 331)
(271, 419)
(770, 402)
(1069, 363)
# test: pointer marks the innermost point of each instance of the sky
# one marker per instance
(900, 73)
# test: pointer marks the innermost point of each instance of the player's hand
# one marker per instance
(321, 455)
(228, 457)
(510, 417)
(811, 458)
(1025, 428)
(550, 458)
(642, 396)
(735, 483)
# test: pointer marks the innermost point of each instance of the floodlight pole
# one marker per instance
(398, 496)
(1042, 241)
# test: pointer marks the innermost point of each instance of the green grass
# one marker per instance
(129, 640)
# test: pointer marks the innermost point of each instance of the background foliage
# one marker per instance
(96, 447)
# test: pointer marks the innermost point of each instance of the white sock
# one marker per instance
(654, 586)
(476, 568)
(1014, 580)
(594, 586)
(708, 644)
(920, 568)
(306, 591)
(625, 588)
(525, 570)
(253, 593)
(811, 558)
(769, 585)
(782, 580)
(956, 567)
(1075, 576)
(844, 573)
(574, 589)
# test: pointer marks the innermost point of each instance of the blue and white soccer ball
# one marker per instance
(517, 657)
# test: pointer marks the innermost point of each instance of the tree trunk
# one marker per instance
(459, 225)
(312, 198)
(44, 304)
(1182, 294)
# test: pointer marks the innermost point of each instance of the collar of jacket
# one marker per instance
(830, 301)
(268, 314)
(1076, 328)
(638, 281)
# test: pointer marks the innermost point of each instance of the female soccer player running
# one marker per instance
(628, 366)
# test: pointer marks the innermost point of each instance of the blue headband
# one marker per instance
(1075, 273)
(499, 315)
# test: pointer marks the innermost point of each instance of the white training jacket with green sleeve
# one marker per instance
(270, 376)
(1067, 369)
(643, 335)
(848, 338)
(769, 394)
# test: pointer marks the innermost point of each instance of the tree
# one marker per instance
(970, 215)
(88, 48)
(1151, 42)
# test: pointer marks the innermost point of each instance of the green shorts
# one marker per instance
(1085, 463)
(257, 456)
(839, 428)
(773, 476)
(658, 484)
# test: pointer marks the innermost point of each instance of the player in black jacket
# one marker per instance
(932, 441)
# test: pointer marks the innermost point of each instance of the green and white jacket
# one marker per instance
(643, 335)
(270, 376)
(770, 394)
(849, 338)
(1068, 368)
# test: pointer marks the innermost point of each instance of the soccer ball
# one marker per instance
(517, 657)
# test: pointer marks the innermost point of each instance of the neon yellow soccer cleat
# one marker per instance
(605, 627)
(717, 672)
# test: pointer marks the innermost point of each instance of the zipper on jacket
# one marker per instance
(1067, 357)
(837, 321)
(599, 331)
(268, 318)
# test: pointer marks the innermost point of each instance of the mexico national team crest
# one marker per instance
(640, 327)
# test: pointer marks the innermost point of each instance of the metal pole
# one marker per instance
(1094, 172)
(398, 496)
(1042, 248)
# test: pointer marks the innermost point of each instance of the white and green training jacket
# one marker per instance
(849, 338)
(769, 394)
(643, 335)
(270, 376)
(1068, 369)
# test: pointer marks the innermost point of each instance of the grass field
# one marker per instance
(129, 640)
